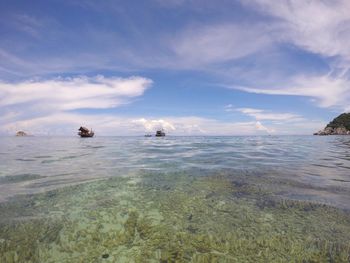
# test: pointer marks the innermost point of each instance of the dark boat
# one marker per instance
(160, 133)
(21, 133)
(85, 132)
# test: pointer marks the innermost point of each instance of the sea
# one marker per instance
(175, 199)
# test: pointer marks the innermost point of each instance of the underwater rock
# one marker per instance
(105, 255)
(192, 230)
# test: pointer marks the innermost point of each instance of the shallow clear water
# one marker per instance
(175, 199)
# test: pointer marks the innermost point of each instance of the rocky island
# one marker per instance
(338, 126)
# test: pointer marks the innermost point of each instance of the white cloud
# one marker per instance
(45, 107)
(261, 127)
(259, 115)
(152, 125)
(73, 93)
(318, 26)
(28, 24)
(28, 103)
(205, 126)
(228, 107)
(193, 125)
(66, 123)
(202, 45)
(321, 27)
(327, 90)
(279, 123)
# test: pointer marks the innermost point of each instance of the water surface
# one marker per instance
(175, 199)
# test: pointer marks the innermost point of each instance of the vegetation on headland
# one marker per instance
(338, 126)
(343, 120)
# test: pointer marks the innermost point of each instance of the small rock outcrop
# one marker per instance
(21, 133)
(339, 126)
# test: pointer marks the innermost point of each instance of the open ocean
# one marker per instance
(175, 199)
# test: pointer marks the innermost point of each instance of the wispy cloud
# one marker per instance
(30, 101)
(10, 63)
(27, 24)
(259, 115)
(46, 107)
(273, 122)
(66, 123)
(318, 26)
(261, 127)
(170, 3)
(243, 47)
(326, 90)
(73, 93)
(202, 45)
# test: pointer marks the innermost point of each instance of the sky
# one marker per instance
(191, 67)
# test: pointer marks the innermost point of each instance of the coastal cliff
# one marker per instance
(338, 126)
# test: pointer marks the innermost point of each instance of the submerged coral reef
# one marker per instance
(171, 217)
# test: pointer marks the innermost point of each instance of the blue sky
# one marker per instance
(240, 67)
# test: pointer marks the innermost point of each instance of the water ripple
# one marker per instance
(323, 161)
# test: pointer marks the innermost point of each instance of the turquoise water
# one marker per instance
(175, 199)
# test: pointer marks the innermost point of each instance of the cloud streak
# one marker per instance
(260, 115)
(44, 107)
(326, 90)
(30, 101)
(73, 93)
(202, 45)
(318, 26)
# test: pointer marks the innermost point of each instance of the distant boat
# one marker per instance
(148, 135)
(85, 132)
(21, 133)
(160, 133)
